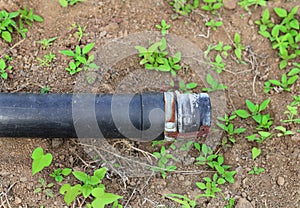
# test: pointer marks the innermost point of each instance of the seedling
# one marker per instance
(185, 88)
(7, 24)
(45, 188)
(205, 154)
(220, 47)
(284, 36)
(164, 27)
(65, 3)
(238, 46)
(264, 121)
(229, 128)
(47, 42)
(183, 200)
(40, 160)
(59, 174)
(4, 69)
(256, 170)
(214, 84)
(218, 65)
(183, 7)
(81, 59)
(212, 5)
(260, 137)
(45, 90)
(255, 152)
(80, 32)
(286, 82)
(163, 159)
(28, 17)
(92, 186)
(210, 186)
(291, 112)
(247, 3)
(230, 203)
(283, 131)
(48, 58)
(222, 169)
(214, 24)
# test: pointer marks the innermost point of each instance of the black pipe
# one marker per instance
(139, 116)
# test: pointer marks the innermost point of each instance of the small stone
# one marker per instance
(103, 34)
(244, 194)
(229, 4)
(56, 142)
(280, 181)
(181, 178)
(250, 22)
(23, 179)
(243, 203)
(112, 27)
(18, 200)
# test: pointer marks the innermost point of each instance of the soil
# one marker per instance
(278, 186)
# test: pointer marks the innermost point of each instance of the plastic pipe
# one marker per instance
(145, 116)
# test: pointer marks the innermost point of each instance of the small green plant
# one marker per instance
(4, 69)
(260, 137)
(285, 36)
(264, 120)
(212, 5)
(81, 59)
(155, 58)
(291, 112)
(183, 200)
(185, 88)
(205, 154)
(65, 3)
(210, 186)
(47, 42)
(220, 47)
(48, 58)
(214, 84)
(229, 128)
(214, 24)
(256, 171)
(222, 169)
(59, 174)
(230, 204)
(45, 89)
(163, 159)
(92, 186)
(247, 3)
(184, 7)
(283, 131)
(238, 46)
(163, 27)
(45, 188)
(218, 65)
(285, 84)
(80, 32)
(28, 16)
(255, 152)
(40, 160)
(7, 24)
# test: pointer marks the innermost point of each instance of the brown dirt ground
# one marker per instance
(106, 20)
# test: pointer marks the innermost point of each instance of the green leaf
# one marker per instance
(141, 49)
(221, 181)
(280, 12)
(87, 48)
(80, 176)
(292, 79)
(191, 85)
(242, 113)
(66, 171)
(6, 36)
(275, 82)
(237, 38)
(264, 105)
(40, 160)
(86, 190)
(106, 198)
(70, 192)
(294, 71)
(38, 18)
(251, 106)
(100, 173)
(255, 152)
(201, 185)
(67, 53)
(239, 130)
(63, 3)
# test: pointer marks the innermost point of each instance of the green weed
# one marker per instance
(245, 4)
(214, 84)
(28, 16)
(255, 152)
(220, 47)
(286, 81)
(214, 24)
(163, 27)
(238, 46)
(45, 188)
(47, 42)
(40, 160)
(184, 7)
(210, 186)
(59, 174)
(65, 3)
(45, 89)
(212, 6)
(48, 58)
(81, 59)
(7, 24)
(5, 69)
(260, 137)
(256, 171)
(283, 131)
(183, 200)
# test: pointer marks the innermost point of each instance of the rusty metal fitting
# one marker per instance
(186, 115)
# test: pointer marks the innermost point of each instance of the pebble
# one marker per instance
(243, 203)
(18, 200)
(103, 34)
(23, 179)
(229, 4)
(181, 178)
(280, 181)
